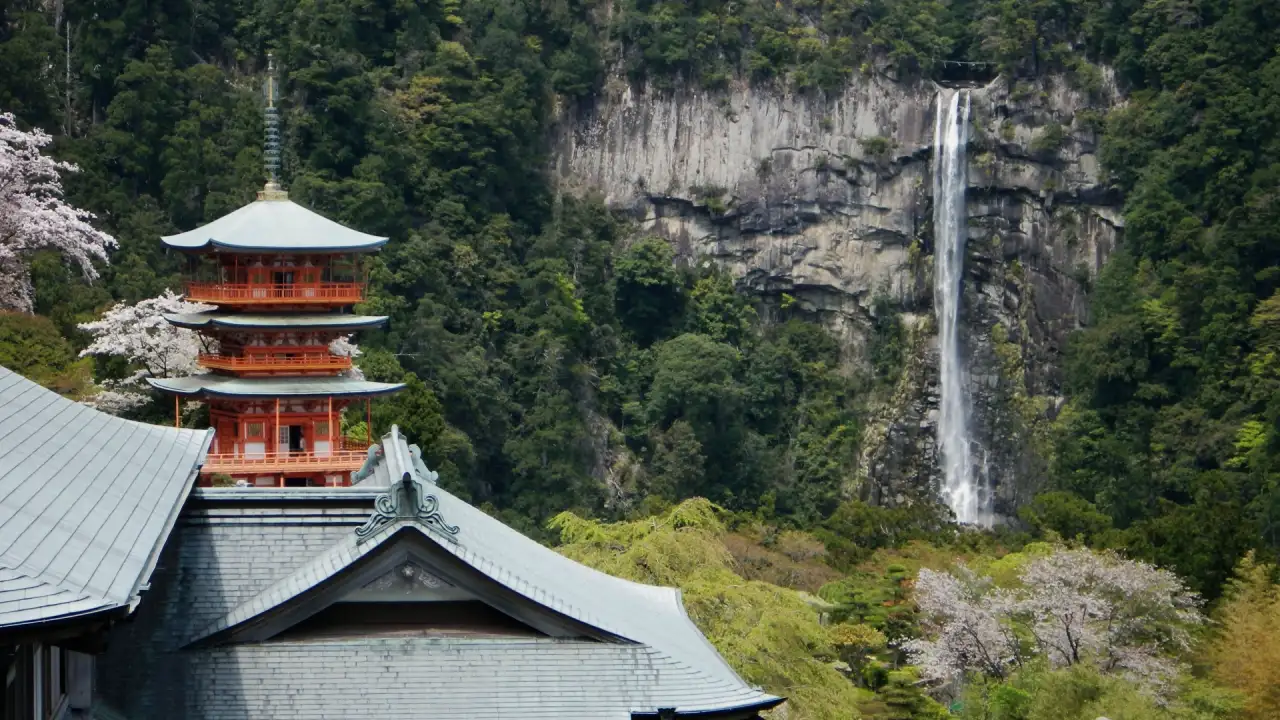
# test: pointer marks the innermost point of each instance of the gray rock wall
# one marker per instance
(829, 201)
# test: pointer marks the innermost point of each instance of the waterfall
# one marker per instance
(960, 487)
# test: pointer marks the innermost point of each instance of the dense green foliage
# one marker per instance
(1173, 430)
(551, 361)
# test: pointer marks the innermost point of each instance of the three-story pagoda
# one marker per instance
(283, 280)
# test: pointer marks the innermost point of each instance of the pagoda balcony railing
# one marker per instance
(301, 362)
(349, 456)
(333, 293)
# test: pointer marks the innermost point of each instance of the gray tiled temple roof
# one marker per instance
(86, 502)
(303, 321)
(297, 387)
(266, 225)
(249, 559)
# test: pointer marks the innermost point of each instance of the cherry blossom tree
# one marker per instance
(1071, 607)
(152, 346)
(34, 216)
(968, 618)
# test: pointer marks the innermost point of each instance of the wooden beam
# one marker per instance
(177, 412)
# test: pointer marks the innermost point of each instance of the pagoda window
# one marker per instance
(320, 437)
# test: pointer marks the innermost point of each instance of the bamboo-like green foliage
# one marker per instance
(769, 634)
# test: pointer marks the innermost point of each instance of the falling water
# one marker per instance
(960, 487)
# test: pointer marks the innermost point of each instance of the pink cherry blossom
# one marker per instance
(1071, 606)
(34, 216)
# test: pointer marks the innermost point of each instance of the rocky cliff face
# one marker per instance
(829, 201)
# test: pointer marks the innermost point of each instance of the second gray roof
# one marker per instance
(237, 387)
(86, 501)
(301, 321)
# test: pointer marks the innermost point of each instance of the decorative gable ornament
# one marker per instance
(406, 578)
(407, 500)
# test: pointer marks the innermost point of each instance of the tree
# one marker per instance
(150, 345)
(650, 294)
(965, 614)
(694, 379)
(771, 635)
(1076, 606)
(678, 462)
(31, 345)
(34, 216)
(1245, 653)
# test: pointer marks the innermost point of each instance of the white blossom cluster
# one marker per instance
(34, 216)
(1073, 606)
(152, 346)
(343, 347)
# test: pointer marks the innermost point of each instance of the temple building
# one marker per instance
(395, 599)
(283, 280)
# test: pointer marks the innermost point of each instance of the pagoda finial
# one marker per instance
(271, 144)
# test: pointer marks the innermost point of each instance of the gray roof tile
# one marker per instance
(86, 501)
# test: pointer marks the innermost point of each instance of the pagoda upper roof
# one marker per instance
(227, 386)
(302, 321)
(271, 224)
(87, 500)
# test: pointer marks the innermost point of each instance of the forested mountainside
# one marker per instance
(1122, 281)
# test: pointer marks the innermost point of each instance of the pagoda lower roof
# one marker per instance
(229, 386)
(301, 321)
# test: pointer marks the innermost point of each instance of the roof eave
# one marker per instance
(205, 391)
(222, 324)
(217, 246)
(767, 702)
(155, 383)
(60, 625)
(392, 388)
(171, 520)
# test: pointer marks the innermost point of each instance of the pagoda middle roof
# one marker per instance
(302, 321)
(228, 386)
(274, 225)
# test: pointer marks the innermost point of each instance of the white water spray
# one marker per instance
(961, 488)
